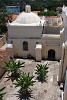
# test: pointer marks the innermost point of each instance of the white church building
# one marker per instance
(32, 36)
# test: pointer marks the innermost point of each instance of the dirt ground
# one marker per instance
(48, 90)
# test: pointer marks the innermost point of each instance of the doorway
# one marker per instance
(51, 54)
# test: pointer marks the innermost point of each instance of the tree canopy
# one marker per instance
(36, 4)
(48, 13)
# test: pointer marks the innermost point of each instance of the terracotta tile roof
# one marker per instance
(52, 16)
(3, 54)
(36, 12)
(14, 17)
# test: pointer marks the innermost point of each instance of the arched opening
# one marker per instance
(51, 54)
(25, 46)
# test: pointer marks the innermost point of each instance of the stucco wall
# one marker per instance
(18, 47)
(51, 43)
(48, 42)
(51, 39)
(51, 30)
(24, 31)
(64, 64)
(64, 16)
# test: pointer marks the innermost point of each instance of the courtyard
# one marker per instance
(48, 90)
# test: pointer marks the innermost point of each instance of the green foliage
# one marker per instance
(24, 82)
(3, 29)
(13, 67)
(4, 17)
(2, 7)
(48, 13)
(42, 71)
(37, 4)
(1, 93)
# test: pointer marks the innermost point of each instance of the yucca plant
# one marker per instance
(41, 72)
(2, 93)
(13, 67)
(24, 82)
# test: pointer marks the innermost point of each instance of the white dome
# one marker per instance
(27, 18)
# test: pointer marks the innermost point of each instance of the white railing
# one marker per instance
(62, 95)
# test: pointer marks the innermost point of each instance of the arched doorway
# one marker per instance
(51, 54)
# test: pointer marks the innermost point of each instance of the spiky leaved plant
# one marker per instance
(2, 93)
(13, 67)
(24, 82)
(41, 71)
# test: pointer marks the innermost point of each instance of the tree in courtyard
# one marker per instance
(41, 72)
(24, 82)
(13, 67)
(4, 17)
(2, 93)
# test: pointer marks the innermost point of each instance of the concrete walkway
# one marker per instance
(40, 91)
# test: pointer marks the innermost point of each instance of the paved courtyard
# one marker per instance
(40, 91)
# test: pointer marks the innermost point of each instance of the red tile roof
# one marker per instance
(14, 17)
(3, 54)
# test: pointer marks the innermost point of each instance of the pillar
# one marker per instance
(65, 88)
(38, 51)
(61, 66)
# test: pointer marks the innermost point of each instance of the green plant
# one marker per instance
(24, 82)
(48, 13)
(13, 67)
(1, 93)
(41, 71)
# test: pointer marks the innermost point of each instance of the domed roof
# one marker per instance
(27, 18)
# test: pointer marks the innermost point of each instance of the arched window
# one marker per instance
(51, 54)
(25, 46)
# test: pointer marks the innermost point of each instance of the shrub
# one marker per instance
(41, 71)
(1, 93)
(24, 82)
(13, 67)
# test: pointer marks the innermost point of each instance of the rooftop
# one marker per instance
(14, 16)
(3, 54)
(50, 36)
(12, 6)
(27, 18)
(64, 10)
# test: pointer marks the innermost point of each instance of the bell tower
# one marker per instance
(28, 9)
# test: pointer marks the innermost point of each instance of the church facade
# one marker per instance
(32, 36)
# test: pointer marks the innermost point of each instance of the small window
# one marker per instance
(25, 46)
(37, 43)
(11, 42)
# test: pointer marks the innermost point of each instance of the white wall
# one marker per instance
(64, 15)
(24, 31)
(52, 42)
(51, 30)
(46, 42)
(18, 47)
(33, 34)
